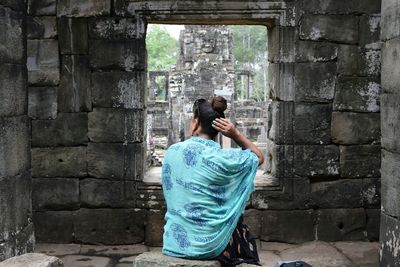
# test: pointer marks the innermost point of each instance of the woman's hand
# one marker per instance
(225, 127)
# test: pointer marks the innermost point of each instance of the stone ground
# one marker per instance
(316, 253)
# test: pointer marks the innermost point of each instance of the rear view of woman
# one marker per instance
(206, 189)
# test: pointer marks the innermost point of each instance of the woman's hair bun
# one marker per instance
(219, 104)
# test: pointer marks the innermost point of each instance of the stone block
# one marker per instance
(355, 128)
(390, 61)
(69, 129)
(281, 81)
(390, 123)
(316, 160)
(32, 259)
(55, 193)
(115, 28)
(390, 19)
(315, 82)
(85, 260)
(390, 183)
(18, 5)
(358, 94)
(116, 125)
(334, 28)
(360, 161)
(42, 102)
(61, 224)
(370, 28)
(279, 160)
(59, 162)
(353, 61)
(118, 89)
(102, 193)
(154, 228)
(73, 35)
(43, 27)
(281, 51)
(283, 226)
(74, 94)
(312, 123)
(43, 62)
(110, 226)
(42, 7)
(251, 218)
(373, 224)
(75, 8)
(58, 249)
(341, 6)
(341, 224)
(390, 240)
(14, 145)
(13, 90)
(148, 259)
(150, 199)
(281, 128)
(12, 28)
(308, 51)
(106, 160)
(371, 192)
(334, 194)
(117, 55)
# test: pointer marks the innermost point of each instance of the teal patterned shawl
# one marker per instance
(206, 189)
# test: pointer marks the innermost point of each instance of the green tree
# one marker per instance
(162, 48)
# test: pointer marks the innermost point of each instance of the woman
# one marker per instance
(206, 189)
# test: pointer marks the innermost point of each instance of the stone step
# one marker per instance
(32, 260)
(157, 259)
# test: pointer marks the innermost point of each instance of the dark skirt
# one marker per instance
(241, 248)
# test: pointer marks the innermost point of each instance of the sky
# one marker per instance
(174, 30)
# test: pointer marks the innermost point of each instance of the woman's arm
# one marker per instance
(229, 130)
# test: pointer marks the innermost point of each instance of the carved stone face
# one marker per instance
(208, 43)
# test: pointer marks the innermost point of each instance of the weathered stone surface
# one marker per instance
(116, 125)
(110, 251)
(12, 49)
(315, 160)
(43, 27)
(110, 226)
(312, 123)
(279, 51)
(42, 7)
(59, 162)
(75, 8)
(106, 160)
(360, 161)
(55, 193)
(154, 228)
(355, 128)
(353, 61)
(341, 224)
(370, 28)
(118, 89)
(276, 247)
(390, 183)
(117, 55)
(360, 253)
(73, 35)
(13, 90)
(315, 81)
(42, 102)
(281, 81)
(341, 6)
(135, 158)
(43, 62)
(69, 129)
(279, 160)
(102, 193)
(390, 19)
(148, 259)
(281, 116)
(14, 145)
(371, 192)
(284, 225)
(86, 261)
(316, 51)
(61, 225)
(373, 224)
(74, 93)
(390, 117)
(115, 28)
(32, 259)
(317, 253)
(358, 94)
(342, 29)
(19, 243)
(390, 240)
(18, 5)
(57, 249)
(390, 61)
(251, 218)
(150, 199)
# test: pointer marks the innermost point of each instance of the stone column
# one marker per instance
(390, 116)
(16, 228)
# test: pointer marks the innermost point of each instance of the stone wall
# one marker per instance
(390, 99)
(86, 64)
(16, 227)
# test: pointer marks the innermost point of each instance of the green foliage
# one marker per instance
(162, 48)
